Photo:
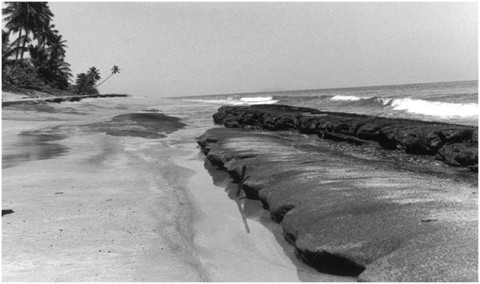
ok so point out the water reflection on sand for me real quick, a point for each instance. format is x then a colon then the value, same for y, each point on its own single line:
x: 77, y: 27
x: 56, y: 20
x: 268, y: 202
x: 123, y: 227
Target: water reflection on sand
x: 32, y: 146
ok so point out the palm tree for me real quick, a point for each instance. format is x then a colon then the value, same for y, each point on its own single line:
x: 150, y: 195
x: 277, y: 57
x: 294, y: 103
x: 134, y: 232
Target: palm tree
x: 93, y: 74
x: 52, y: 69
x: 38, y: 56
x: 30, y: 17
x: 115, y: 70
x: 81, y: 82
x: 8, y: 49
x: 84, y: 83
x: 46, y: 35
x: 56, y: 46
x: 61, y: 73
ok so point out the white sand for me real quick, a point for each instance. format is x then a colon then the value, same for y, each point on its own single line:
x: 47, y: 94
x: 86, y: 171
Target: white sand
x: 128, y: 209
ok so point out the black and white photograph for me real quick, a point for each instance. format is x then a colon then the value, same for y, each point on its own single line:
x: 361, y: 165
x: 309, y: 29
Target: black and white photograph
x: 239, y: 141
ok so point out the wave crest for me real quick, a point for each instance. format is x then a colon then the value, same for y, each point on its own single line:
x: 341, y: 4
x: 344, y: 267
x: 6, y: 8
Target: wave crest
x: 415, y: 106
x: 236, y: 100
x: 441, y: 109
x: 346, y: 98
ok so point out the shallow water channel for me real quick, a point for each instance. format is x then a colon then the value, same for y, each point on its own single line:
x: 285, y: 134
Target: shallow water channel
x: 235, y: 239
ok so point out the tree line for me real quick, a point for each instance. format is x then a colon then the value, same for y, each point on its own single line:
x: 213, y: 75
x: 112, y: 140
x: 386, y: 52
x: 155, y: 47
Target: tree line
x: 36, y: 56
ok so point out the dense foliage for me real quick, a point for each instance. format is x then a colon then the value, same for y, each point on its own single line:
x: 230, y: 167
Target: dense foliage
x: 30, y: 24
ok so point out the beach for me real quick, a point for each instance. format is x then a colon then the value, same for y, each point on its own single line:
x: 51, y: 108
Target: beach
x: 186, y: 189
x: 91, y: 206
x: 239, y: 142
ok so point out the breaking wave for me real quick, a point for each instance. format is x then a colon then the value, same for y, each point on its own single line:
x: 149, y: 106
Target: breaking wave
x: 347, y: 98
x: 416, y: 106
x: 441, y: 109
x: 237, y: 100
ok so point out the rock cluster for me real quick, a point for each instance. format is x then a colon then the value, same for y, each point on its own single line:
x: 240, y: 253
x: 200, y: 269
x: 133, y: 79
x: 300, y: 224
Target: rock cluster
x: 455, y: 145
x: 350, y: 216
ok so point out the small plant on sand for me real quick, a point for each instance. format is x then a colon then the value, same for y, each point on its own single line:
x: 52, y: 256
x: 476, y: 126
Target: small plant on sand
x: 242, y: 180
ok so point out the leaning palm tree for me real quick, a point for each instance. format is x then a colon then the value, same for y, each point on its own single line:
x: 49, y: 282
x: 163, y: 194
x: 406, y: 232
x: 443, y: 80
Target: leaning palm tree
x: 115, y: 70
x: 28, y: 17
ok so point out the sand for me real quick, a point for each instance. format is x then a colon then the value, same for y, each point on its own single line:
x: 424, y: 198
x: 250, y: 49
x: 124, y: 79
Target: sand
x: 95, y: 207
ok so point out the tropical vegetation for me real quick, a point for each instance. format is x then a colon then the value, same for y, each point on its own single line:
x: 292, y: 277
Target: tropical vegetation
x: 115, y: 70
x: 36, y: 56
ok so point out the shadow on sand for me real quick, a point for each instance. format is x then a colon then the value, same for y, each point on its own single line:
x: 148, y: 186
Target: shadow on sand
x: 253, y: 210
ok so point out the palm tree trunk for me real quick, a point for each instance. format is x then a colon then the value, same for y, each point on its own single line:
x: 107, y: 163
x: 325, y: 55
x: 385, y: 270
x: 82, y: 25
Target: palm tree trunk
x: 23, y: 45
x: 104, y: 80
x: 18, y: 47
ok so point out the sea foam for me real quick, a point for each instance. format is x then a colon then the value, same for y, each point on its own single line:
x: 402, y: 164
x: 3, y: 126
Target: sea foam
x: 416, y: 106
x: 432, y: 108
x: 236, y: 100
x: 346, y: 98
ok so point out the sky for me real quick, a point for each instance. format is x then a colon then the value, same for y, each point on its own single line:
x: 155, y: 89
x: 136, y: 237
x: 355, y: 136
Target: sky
x: 187, y: 49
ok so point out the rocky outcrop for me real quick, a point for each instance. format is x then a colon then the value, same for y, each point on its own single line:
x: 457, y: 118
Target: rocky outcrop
x: 348, y: 215
x: 455, y: 145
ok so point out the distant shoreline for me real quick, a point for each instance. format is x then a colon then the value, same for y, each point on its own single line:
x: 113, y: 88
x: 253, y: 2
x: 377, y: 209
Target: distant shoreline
x: 54, y: 99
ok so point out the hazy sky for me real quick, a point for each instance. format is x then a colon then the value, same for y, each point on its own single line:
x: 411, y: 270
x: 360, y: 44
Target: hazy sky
x: 185, y: 49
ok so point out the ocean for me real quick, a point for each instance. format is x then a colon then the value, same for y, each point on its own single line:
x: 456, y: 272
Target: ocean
x: 452, y: 102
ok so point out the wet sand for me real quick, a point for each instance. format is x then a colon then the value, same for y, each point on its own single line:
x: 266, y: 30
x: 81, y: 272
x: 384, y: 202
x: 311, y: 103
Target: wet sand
x: 235, y: 239
x: 94, y: 207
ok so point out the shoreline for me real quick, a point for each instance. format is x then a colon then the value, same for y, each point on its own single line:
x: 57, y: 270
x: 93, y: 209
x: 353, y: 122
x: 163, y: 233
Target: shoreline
x: 118, y: 207
x: 234, y: 249
x: 11, y: 100
x: 120, y: 170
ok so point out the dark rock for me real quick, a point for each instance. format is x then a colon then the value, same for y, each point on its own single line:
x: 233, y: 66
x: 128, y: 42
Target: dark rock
x: 341, y: 137
x: 308, y: 124
x: 459, y: 154
x: 411, y: 139
x: 457, y: 134
x: 410, y: 136
x: 475, y: 136
x: 330, y: 263
x: 369, y: 131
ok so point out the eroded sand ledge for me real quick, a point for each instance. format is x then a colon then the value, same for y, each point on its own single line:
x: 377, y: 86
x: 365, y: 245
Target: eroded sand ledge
x: 354, y: 216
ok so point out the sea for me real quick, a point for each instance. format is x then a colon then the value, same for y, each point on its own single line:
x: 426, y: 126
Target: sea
x: 451, y: 102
